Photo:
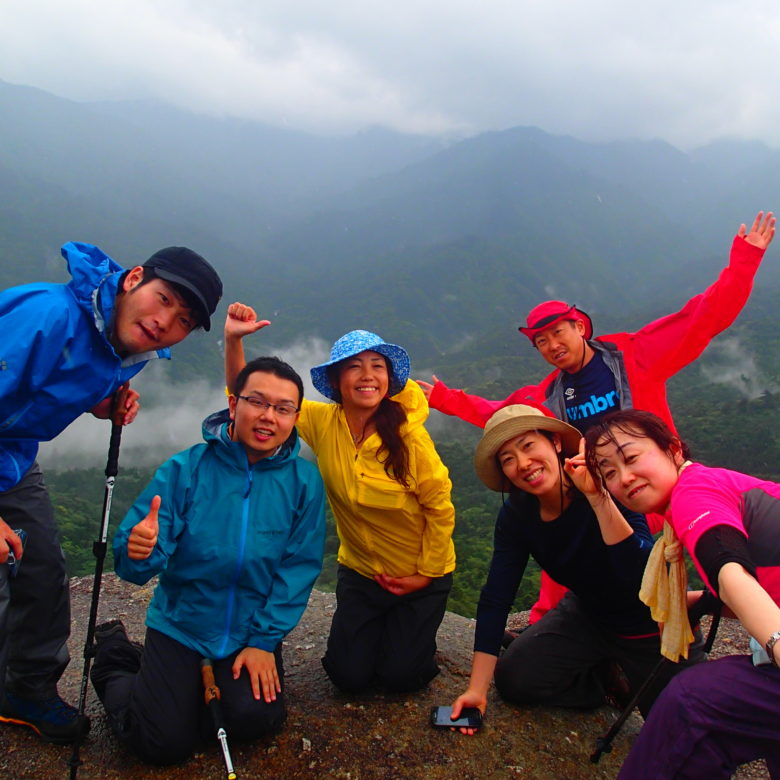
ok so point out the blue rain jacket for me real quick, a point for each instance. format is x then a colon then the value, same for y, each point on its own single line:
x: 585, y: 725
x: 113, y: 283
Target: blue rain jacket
x: 55, y: 359
x: 238, y: 548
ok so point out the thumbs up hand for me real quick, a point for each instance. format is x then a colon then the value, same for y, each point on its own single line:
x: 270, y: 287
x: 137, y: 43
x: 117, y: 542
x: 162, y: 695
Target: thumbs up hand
x: 143, y: 537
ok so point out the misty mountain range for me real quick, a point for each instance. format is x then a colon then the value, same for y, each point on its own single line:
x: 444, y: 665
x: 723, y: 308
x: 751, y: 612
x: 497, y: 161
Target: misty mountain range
x: 440, y: 244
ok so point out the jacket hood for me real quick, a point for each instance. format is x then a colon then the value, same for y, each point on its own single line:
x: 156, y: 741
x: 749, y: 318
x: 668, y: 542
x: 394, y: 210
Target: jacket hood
x: 414, y: 403
x: 215, y: 434
x: 89, y: 266
x: 95, y: 284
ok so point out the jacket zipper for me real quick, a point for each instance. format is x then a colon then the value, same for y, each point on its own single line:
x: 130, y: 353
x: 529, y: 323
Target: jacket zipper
x: 239, y: 561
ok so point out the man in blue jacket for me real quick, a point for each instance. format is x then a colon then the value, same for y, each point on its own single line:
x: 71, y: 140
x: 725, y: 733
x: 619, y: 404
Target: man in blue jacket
x: 66, y: 349
x: 235, y: 527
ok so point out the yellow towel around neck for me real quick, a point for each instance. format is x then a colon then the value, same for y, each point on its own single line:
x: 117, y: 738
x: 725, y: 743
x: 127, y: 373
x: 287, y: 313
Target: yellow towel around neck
x: 664, y: 589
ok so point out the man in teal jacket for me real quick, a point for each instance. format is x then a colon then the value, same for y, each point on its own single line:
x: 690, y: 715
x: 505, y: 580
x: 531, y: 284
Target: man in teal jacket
x: 235, y: 528
x: 65, y: 350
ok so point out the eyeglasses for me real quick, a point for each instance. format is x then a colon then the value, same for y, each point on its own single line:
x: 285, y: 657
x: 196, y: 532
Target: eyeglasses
x: 283, y: 410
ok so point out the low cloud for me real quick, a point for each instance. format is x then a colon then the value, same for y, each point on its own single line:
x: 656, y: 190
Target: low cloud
x: 170, y: 418
x: 727, y: 362
x: 687, y: 71
x: 163, y: 427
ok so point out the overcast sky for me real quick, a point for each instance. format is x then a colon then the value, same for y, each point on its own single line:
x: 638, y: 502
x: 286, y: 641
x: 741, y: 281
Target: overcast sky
x: 686, y: 71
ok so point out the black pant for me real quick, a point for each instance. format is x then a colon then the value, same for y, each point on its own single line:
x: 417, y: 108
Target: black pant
x: 34, y: 605
x: 560, y: 660
x: 378, y: 638
x: 155, y: 702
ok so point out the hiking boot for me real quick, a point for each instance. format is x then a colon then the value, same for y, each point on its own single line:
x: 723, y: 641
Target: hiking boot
x: 115, y: 631
x: 114, y: 653
x: 510, y: 635
x: 617, y: 691
x: 52, y: 719
x: 110, y: 629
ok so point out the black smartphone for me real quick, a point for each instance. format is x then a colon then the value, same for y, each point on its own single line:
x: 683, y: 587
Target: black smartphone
x: 13, y: 562
x: 470, y: 718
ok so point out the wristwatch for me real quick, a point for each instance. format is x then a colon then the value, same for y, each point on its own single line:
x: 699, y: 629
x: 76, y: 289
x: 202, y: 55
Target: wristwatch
x: 770, y: 646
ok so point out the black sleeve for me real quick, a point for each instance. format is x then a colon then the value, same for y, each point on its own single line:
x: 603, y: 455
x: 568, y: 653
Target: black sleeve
x: 629, y: 557
x: 720, y: 545
x: 507, y: 566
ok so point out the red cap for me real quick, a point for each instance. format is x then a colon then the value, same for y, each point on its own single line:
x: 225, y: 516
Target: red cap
x: 550, y: 313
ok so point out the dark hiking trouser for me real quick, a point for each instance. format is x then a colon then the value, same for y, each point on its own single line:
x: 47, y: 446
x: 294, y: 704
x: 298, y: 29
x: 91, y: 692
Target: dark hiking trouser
x: 34, y: 605
x: 709, y: 720
x: 154, y: 698
x: 378, y: 638
x: 561, y: 660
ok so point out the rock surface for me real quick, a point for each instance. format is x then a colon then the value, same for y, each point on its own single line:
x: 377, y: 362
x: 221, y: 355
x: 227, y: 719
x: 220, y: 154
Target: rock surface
x: 330, y: 735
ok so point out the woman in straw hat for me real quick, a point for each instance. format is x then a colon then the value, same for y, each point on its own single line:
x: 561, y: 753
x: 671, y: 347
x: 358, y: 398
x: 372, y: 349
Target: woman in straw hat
x: 555, y: 512
x: 724, y: 713
x: 390, y: 494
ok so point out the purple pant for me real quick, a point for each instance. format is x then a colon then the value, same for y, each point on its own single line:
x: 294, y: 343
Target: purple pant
x: 710, y: 719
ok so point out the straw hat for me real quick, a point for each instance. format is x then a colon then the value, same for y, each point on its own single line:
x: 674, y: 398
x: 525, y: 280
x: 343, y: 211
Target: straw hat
x: 509, y: 422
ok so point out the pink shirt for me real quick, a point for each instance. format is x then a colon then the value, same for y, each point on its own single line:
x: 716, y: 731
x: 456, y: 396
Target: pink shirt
x: 705, y: 497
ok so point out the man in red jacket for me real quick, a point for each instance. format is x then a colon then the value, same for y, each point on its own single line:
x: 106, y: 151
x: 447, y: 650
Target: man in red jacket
x: 594, y: 376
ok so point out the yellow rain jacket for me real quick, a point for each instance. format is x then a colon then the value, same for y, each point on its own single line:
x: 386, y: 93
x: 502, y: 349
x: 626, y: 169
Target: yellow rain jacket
x: 383, y: 527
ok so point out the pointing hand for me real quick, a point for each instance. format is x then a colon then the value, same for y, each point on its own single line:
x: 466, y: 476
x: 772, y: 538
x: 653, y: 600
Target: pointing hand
x: 427, y: 387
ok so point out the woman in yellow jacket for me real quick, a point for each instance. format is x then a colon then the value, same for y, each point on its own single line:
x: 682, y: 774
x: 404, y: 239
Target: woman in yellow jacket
x: 390, y: 494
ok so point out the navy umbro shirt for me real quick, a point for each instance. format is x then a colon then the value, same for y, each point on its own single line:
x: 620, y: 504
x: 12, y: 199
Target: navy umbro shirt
x: 589, y: 394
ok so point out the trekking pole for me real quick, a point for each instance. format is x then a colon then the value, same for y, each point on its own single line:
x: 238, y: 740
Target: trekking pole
x: 99, y: 551
x: 705, y: 604
x: 212, y: 697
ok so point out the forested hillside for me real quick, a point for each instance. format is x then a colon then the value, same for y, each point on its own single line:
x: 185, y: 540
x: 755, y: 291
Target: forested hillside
x: 436, y: 243
x: 439, y: 244
x: 722, y: 427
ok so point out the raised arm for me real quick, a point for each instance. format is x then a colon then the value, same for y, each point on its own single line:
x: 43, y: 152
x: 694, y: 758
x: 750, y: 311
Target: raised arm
x: 614, y: 527
x: 761, y: 232
x: 473, y: 408
x: 666, y: 345
x: 241, y: 321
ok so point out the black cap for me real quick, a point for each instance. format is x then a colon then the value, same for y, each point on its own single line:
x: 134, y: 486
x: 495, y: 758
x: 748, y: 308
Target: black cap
x: 184, y: 267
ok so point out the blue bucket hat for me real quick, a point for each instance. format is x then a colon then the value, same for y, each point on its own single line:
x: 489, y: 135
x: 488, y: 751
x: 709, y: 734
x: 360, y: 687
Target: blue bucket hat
x: 355, y: 342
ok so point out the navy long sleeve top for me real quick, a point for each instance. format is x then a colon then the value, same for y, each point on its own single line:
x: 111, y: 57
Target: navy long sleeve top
x: 606, y: 578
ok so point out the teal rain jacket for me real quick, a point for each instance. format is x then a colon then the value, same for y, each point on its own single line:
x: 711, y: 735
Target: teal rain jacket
x: 55, y: 359
x: 238, y: 548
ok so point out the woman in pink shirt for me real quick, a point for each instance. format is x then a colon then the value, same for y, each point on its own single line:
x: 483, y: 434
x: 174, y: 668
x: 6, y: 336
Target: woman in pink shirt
x: 717, y: 715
